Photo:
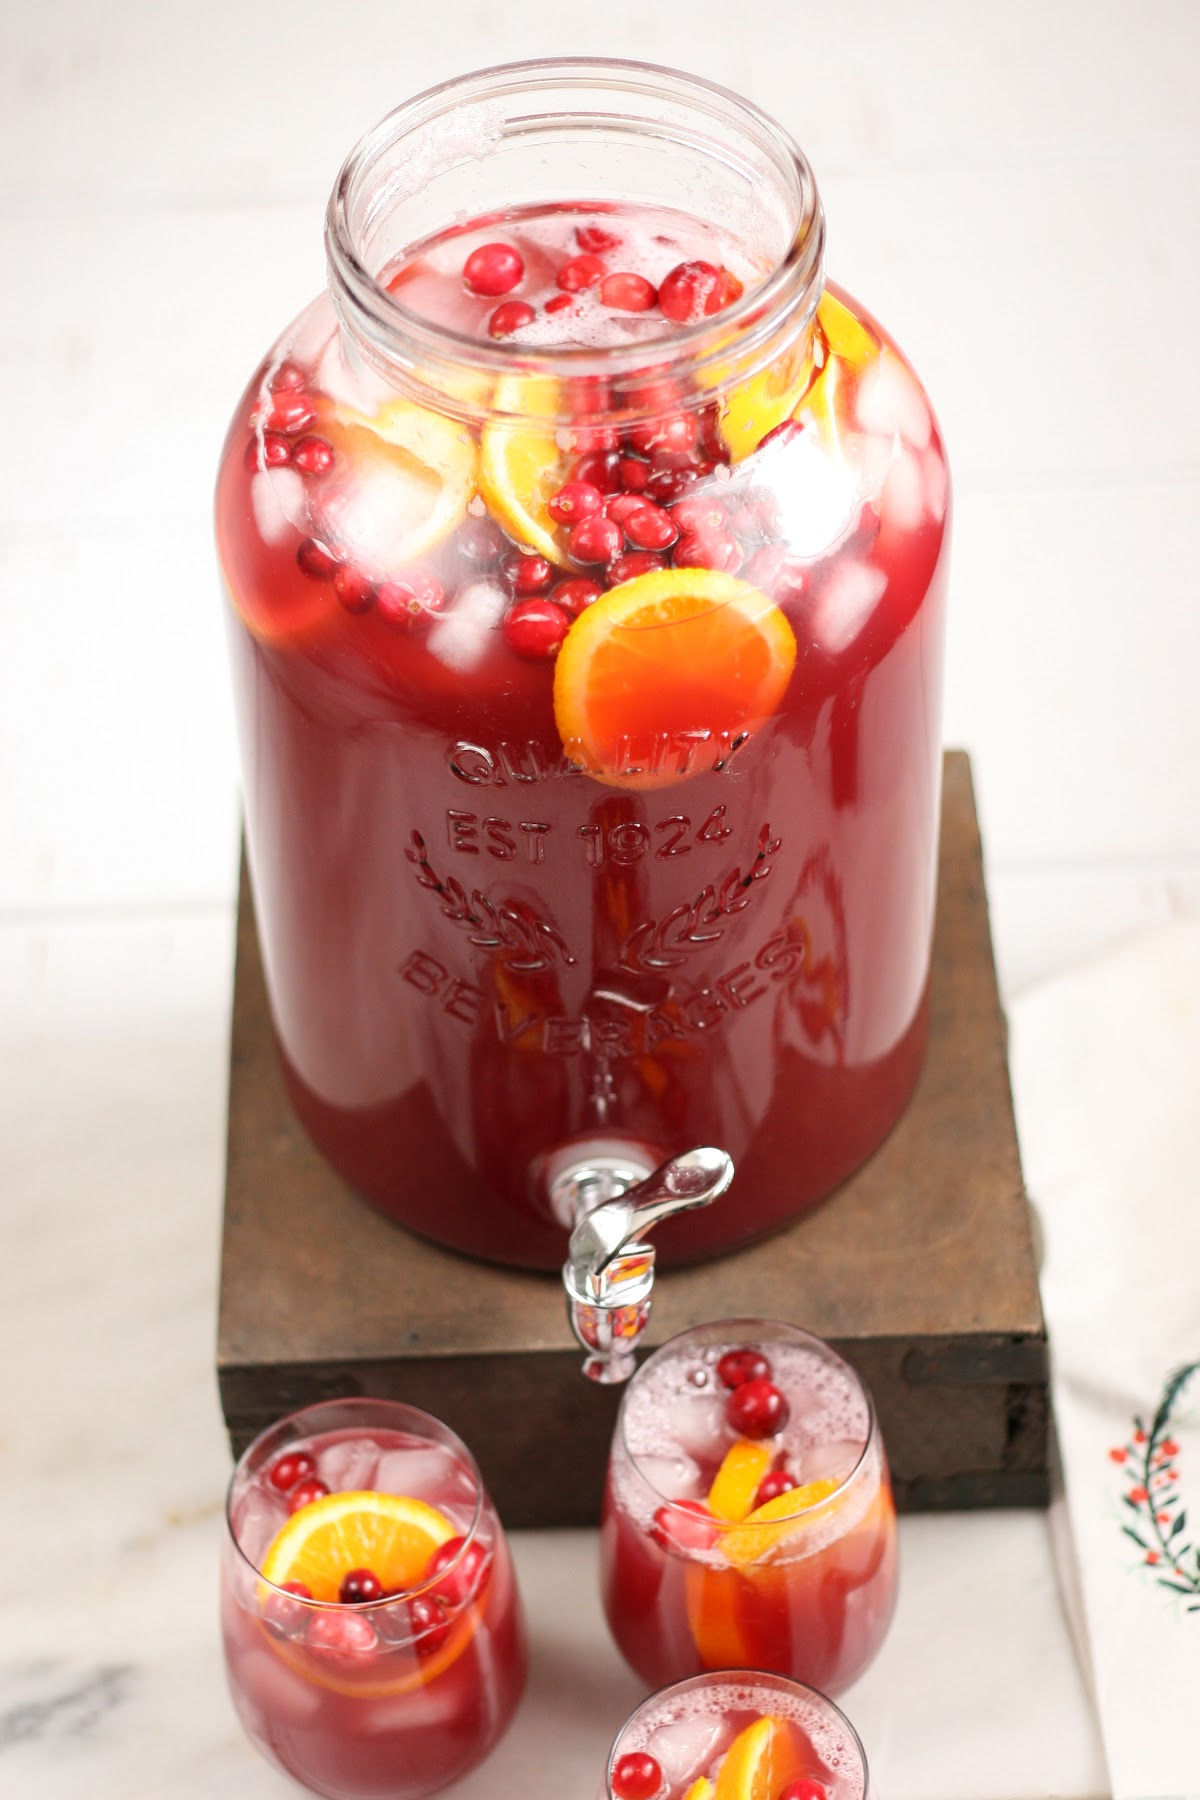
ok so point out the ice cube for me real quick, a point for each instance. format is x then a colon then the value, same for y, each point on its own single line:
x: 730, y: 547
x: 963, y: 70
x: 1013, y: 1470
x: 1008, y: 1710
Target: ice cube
x: 260, y: 1515
x: 693, y: 1423
x: 902, y: 502
x: 460, y: 637
x: 818, y: 493
x: 889, y: 400
x: 845, y: 603
x: 279, y: 1693
x: 936, y: 484
x: 422, y: 1471
x: 831, y: 1460
x: 349, y: 1466
x: 277, y: 501
x: 674, y: 1476
x: 684, y: 1748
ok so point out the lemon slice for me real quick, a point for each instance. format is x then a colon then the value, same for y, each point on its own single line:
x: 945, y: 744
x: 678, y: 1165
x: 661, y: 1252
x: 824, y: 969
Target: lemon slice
x: 736, y: 1481
x: 521, y: 465
x: 761, y: 1760
x: 390, y: 1534
x: 768, y: 1525
x: 657, y: 678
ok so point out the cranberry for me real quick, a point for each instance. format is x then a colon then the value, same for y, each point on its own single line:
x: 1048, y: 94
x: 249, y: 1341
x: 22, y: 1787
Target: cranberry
x: 627, y: 292
x: 558, y: 303
x: 313, y: 455
x: 621, y: 506
x: 291, y: 412
x: 283, y: 1614
x: 774, y: 1483
x: 599, y: 469
x: 429, y: 1624
x: 409, y: 599
x: 737, y: 1366
x: 580, y: 272
x: 804, y: 1789
x: 685, y: 1525
x: 355, y: 590
x: 633, y: 563
x: 700, y: 512
x: 464, y: 1565
x: 305, y: 1492
x: 273, y: 453
x: 636, y: 1776
x: 666, y: 485
x: 576, y: 593
x: 708, y: 550
x: 316, y: 559
x: 696, y: 290
x: 290, y: 1468
x: 633, y: 474
x: 358, y: 1586
x: 535, y: 628
x: 529, y: 574
x: 578, y: 440
x: 287, y: 375
x: 676, y: 433
x: 650, y: 528
x: 780, y: 434
x: 573, y: 501
x: 596, y: 239
x: 480, y: 540
x: 757, y: 1409
x: 508, y: 317
x: 494, y: 269
x: 341, y: 1635
x: 594, y: 540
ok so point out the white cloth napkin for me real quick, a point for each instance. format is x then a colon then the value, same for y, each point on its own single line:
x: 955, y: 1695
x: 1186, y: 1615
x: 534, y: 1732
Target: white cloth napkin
x: 1106, y: 1076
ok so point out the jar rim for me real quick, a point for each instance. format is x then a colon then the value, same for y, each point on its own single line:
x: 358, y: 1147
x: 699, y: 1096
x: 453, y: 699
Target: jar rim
x: 726, y: 346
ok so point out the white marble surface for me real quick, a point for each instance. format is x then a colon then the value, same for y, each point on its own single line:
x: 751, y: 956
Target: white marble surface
x: 1013, y: 190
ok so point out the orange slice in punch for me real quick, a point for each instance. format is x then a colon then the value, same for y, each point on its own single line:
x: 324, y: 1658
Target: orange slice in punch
x: 400, y: 483
x: 714, y: 1600
x: 701, y: 1789
x: 662, y: 677
x: 736, y: 1482
x: 390, y: 1534
x: 761, y: 1760
x: 768, y: 1525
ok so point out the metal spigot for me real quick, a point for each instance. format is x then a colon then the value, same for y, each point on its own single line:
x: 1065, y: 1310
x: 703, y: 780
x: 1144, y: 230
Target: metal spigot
x: 609, y: 1271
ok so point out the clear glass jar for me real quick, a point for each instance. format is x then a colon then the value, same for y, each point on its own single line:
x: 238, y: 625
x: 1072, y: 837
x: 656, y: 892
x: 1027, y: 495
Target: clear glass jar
x: 613, y: 827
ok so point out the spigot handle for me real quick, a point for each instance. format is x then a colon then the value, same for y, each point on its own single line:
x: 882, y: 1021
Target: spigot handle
x: 609, y: 1272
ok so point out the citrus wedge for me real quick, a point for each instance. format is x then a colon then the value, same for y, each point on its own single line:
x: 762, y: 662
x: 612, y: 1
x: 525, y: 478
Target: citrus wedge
x: 735, y: 1483
x: 390, y: 1534
x: 521, y: 465
x: 768, y: 1525
x: 657, y: 679
x: 714, y: 1601
x: 761, y: 1760
x: 701, y: 1789
x: 401, y: 483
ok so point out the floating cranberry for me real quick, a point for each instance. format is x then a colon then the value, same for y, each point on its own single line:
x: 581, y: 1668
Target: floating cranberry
x: 274, y: 452
x: 409, y: 599
x: 481, y: 541
x: 576, y: 593
x: 558, y: 303
x: 696, y: 290
x: 313, y: 455
x: 287, y: 375
x: 494, y: 269
x: 291, y: 412
x: 595, y: 540
x: 581, y: 272
x: 599, y: 468
x: 737, y: 1366
x: 359, y: 1586
x: 355, y: 590
x: 429, y: 1624
x: 508, y: 317
x: 464, y: 1565
x: 621, y: 506
x: 341, y: 1635
x: 316, y: 559
x: 283, y: 1614
x: 757, y: 1409
x: 666, y: 485
x: 676, y: 433
x: 633, y: 474
x: 535, y: 628
x: 627, y: 292
x: 573, y: 501
x: 305, y: 1492
x: 636, y: 1776
x: 291, y: 1467
x: 685, y: 1525
x: 650, y: 528
x: 631, y: 565
x: 596, y: 239
x: 708, y: 550
x: 528, y: 574
x: 578, y: 440
x: 804, y: 1789
x: 774, y: 1483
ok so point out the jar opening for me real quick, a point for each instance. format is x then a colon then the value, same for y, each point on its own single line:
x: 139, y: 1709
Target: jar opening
x: 574, y: 133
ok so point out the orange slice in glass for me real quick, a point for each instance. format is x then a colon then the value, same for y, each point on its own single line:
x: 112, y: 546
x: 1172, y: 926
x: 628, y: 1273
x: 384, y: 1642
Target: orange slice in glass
x: 761, y: 1760
x: 660, y: 678
x: 735, y: 1483
x: 768, y: 1525
x: 390, y: 1534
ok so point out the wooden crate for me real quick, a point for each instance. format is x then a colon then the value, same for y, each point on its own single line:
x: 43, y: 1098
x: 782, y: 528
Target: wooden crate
x: 920, y: 1269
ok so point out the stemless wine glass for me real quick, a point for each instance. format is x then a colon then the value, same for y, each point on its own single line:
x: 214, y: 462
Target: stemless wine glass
x: 735, y: 1735
x: 374, y: 1640
x: 748, y: 1516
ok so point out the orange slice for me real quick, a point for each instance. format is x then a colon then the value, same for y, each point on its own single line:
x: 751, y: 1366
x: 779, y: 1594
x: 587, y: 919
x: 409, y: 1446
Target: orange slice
x: 521, y: 466
x: 736, y: 1481
x: 390, y: 1534
x: 768, y: 1525
x: 407, y: 476
x: 713, y: 1598
x: 657, y: 679
x: 762, y: 1759
x: 701, y: 1789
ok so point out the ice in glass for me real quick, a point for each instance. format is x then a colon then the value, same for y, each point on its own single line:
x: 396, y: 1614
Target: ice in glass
x: 373, y: 1634
x: 748, y: 1515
